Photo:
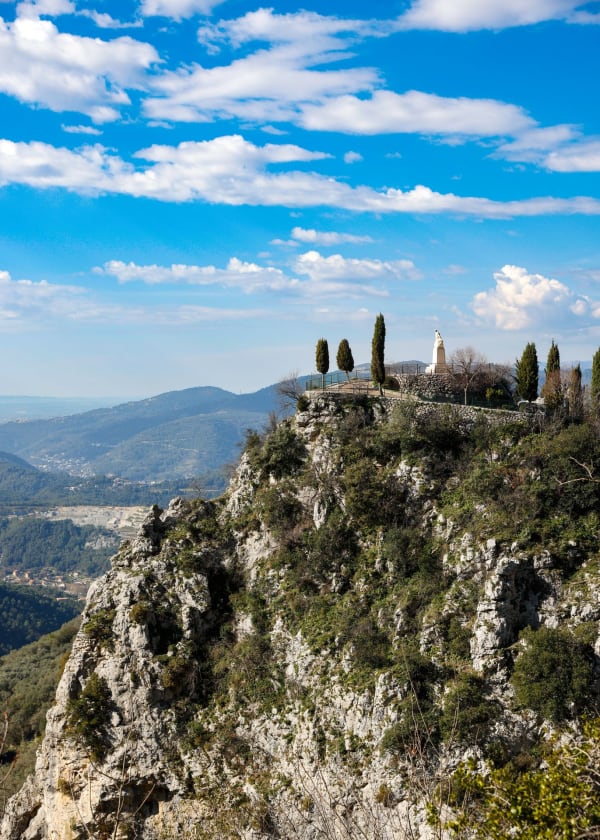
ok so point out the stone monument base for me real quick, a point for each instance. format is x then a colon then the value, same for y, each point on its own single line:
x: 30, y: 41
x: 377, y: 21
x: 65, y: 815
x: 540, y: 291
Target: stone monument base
x: 438, y: 367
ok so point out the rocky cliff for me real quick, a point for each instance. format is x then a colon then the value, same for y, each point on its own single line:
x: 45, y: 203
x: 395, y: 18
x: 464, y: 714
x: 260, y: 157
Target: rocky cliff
x: 316, y: 653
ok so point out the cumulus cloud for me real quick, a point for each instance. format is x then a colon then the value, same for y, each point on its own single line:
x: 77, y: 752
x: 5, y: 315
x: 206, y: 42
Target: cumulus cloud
x: 25, y: 304
x: 520, y: 299
x: 40, y: 65
x: 313, y: 276
x: 466, y: 15
x: 415, y: 112
x: 271, y: 83
x: 249, y: 277
x: 177, y: 9
x: 232, y: 171
x: 22, y: 300
x: 319, y: 237
x: 81, y: 129
x: 337, y: 267
x: 52, y: 8
x: 579, y: 157
x: 352, y: 157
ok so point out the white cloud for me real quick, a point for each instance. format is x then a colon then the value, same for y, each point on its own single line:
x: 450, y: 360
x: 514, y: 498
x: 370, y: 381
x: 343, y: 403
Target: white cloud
x: 520, y: 300
x: 246, y: 276
x: 318, y: 277
x: 337, y: 267
x: 352, y: 157
x: 177, y: 9
x: 579, y: 157
x: 466, y: 15
x: 415, y: 112
x: 270, y: 84
x: 42, y: 66
x: 319, y: 237
x: 81, y: 129
x: 455, y: 270
x: 35, y: 8
x: 105, y: 21
x: 534, y: 144
x: 25, y: 304
x: 232, y: 171
x: 24, y: 300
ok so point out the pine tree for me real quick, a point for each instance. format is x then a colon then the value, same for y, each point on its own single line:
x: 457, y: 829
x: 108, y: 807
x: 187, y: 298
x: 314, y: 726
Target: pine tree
x: 377, y: 352
x: 527, y: 373
x: 552, y: 390
x: 344, y: 358
x: 322, y: 358
x: 595, y: 383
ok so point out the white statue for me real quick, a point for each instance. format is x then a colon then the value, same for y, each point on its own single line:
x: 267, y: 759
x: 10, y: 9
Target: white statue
x: 438, y: 364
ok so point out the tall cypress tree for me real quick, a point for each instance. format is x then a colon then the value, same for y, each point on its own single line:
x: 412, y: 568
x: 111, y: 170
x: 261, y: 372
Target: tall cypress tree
x: 527, y: 373
x: 322, y: 358
x: 575, y: 394
x: 377, y: 352
x: 552, y: 390
x: 595, y: 383
x: 344, y: 358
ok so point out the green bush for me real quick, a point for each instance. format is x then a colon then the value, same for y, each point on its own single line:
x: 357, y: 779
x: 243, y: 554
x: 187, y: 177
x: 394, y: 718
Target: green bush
x: 560, y: 801
x: 281, y: 454
x: 88, y: 716
x: 98, y: 628
x: 466, y: 712
x: 553, y: 675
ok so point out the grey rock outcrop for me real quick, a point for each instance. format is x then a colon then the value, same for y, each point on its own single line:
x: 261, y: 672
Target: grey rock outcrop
x: 305, y: 740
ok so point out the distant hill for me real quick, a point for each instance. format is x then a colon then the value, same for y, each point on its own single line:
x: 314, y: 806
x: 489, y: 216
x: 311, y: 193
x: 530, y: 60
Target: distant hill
x: 36, y: 408
x: 28, y: 679
x: 27, y: 613
x: 171, y: 436
x: 24, y: 487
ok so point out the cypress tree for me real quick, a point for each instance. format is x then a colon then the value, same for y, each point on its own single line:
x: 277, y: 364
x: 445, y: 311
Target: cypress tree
x: 377, y: 352
x: 322, y: 358
x: 575, y: 394
x: 552, y: 390
x: 344, y: 358
x: 595, y: 383
x: 527, y: 373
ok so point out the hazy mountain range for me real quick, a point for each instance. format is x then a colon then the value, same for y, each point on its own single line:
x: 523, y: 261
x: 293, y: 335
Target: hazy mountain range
x: 176, y: 435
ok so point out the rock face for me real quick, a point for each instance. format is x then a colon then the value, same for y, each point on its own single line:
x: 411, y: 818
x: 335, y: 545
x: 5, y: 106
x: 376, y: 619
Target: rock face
x: 283, y: 662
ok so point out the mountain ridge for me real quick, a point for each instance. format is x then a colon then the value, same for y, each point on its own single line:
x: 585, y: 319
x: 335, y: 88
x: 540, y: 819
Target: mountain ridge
x: 386, y: 590
x: 207, y: 422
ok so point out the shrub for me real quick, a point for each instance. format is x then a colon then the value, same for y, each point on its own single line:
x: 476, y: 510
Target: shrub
x: 99, y: 628
x: 553, y: 674
x: 281, y: 454
x: 302, y: 403
x: 557, y: 802
x: 466, y: 713
x: 88, y: 716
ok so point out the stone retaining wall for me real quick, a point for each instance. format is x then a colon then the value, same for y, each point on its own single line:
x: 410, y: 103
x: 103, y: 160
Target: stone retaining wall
x: 427, y: 385
x: 468, y: 413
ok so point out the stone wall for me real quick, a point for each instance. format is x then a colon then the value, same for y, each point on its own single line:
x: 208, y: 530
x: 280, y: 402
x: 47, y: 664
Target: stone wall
x: 428, y: 386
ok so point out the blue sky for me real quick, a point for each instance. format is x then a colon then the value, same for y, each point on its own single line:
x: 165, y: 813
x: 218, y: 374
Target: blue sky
x: 193, y: 192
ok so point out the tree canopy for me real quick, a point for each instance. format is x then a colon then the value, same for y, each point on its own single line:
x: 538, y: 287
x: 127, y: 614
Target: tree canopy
x: 344, y: 358
x: 552, y: 390
x: 527, y: 373
x: 378, y: 351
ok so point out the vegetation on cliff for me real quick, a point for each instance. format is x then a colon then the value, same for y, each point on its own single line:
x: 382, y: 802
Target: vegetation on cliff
x: 383, y: 591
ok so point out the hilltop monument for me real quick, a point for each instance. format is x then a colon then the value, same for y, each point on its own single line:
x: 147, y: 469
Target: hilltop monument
x: 438, y: 364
